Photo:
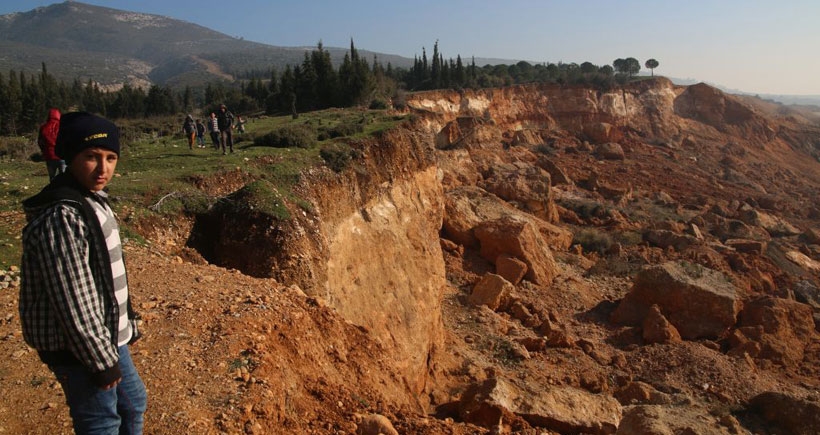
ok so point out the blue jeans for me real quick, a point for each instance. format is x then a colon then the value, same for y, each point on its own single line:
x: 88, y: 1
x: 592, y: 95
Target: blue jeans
x: 118, y: 410
x: 226, y: 139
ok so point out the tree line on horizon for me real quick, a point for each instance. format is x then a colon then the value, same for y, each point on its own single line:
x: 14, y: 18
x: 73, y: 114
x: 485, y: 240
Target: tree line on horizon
x: 314, y: 84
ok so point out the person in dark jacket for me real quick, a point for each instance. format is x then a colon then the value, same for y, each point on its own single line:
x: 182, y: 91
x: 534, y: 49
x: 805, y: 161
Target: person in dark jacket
x: 74, y: 300
x: 189, y: 128
x: 200, y: 134
x: 46, y: 140
x: 225, y: 123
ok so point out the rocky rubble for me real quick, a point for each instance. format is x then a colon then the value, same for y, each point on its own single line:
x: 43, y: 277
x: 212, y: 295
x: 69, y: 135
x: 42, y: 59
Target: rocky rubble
x: 708, y: 268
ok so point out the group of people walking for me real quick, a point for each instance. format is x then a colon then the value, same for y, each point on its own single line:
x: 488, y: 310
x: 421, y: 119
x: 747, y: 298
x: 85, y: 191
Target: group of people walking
x: 219, y: 126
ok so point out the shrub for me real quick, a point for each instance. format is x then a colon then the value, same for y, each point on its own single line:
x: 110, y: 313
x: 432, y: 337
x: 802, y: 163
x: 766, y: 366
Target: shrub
x: 593, y: 240
x: 338, y: 158
x: 378, y: 105
x: 19, y: 148
x: 586, y: 209
x: 400, y: 100
x: 299, y: 136
x: 340, y: 130
x: 629, y: 238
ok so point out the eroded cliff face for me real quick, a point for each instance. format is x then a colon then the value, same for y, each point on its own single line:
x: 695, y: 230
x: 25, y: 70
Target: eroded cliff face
x: 381, y: 263
x: 386, y: 271
x: 646, y: 105
x: 655, y: 107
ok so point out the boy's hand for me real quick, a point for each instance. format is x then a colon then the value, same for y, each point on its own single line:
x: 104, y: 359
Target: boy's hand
x: 112, y: 385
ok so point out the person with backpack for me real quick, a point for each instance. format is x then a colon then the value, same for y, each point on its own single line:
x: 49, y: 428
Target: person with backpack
x: 46, y: 139
x: 225, y: 124
x: 189, y: 128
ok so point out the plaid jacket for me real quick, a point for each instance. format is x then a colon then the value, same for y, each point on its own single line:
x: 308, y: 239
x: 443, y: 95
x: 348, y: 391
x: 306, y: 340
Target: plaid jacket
x: 68, y: 308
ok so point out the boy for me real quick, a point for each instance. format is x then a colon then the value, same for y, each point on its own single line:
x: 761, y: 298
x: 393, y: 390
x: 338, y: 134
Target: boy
x: 74, y: 304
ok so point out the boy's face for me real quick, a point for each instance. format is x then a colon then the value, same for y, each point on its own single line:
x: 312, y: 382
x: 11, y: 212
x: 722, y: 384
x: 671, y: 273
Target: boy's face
x: 94, y: 167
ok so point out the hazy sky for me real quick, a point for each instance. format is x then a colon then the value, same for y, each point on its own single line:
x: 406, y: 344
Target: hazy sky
x: 756, y: 46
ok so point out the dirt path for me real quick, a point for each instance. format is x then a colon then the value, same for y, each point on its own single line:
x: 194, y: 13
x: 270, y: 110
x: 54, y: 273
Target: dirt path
x: 213, y: 68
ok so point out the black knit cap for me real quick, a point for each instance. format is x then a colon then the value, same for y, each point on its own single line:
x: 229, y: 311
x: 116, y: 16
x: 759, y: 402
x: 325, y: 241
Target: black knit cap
x: 81, y: 130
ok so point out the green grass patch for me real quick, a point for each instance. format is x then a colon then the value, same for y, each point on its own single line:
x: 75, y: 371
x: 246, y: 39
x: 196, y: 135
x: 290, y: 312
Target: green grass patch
x: 259, y: 196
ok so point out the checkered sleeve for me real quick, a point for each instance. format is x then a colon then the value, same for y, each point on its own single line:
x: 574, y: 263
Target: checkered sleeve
x: 70, y: 285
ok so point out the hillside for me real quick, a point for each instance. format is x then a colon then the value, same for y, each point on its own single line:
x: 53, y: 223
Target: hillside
x: 537, y: 259
x: 113, y: 47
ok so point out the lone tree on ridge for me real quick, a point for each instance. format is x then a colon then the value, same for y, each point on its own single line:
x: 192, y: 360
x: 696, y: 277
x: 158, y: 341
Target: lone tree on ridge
x: 652, y: 64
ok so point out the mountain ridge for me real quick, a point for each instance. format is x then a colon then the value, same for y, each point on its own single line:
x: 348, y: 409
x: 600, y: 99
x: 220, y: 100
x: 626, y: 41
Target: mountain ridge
x: 99, y: 43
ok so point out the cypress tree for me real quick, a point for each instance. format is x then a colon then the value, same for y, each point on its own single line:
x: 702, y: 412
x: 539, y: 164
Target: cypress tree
x: 15, y: 103
x: 327, y: 86
x: 460, y: 74
x: 435, y: 70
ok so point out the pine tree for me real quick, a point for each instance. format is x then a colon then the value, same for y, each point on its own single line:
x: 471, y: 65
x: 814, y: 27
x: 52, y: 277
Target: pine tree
x: 355, y: 78
x: 460, y: 75
x: 273, y: 84
x: 286, y: 100
x: 15, y: 103
x: 435, y: 70
x: 327, y: 86
x: 187, y: 99
x: 306, y: 84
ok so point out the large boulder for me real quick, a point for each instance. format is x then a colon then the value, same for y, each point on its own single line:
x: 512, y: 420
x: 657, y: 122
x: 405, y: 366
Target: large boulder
x: 519, y: 239
x: 698, y: 302
x: 528, y: 187
x: 492, y: 290
x: 774, y: 329
x: 811, y: 235
x: 657, y: 329
x: 640, y: 393
x: 747, y: 246
x: 557, y: 175
x: 786, y: 413
x: 808, y: 293
x: 774, y: 225
x: 562, y: 409
x: 601, y: 132
x: 803, y: 260
x: 670, y: 420
x: 665, y: 238
x: 466, y: 207
x: 510, y: 268
x: 449, y: 135
x: 726, y: 229
x: 610, y: 151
